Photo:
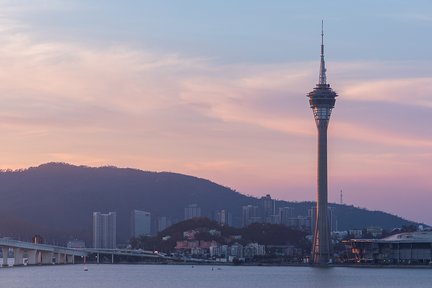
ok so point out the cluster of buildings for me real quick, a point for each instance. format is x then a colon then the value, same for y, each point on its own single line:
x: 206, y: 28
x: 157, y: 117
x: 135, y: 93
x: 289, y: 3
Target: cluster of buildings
x: 363, y: 246
x: 143, y: 223
x: 267, y: 212
x: 230, y: 253
x: 193, y: 247
x: 222, y: 216
x: 232, y: 249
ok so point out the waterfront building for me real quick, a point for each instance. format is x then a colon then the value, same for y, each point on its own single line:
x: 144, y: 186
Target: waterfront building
x: 253, y: 249
x: 192, y: 211
x: 140, y: 223
x: 355, y: 233
x: 104, y: 230
x: 236, y: 251
x: 322, y: 101
x: 219, y: 251
x: 403, y: 248
x: 195, y: 247
x: 289, y: 251
x: 375, y: 232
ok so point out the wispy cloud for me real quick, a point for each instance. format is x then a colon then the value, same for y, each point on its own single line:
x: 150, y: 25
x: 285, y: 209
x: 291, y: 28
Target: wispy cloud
x: 247, y: 126
x: 405, y: 91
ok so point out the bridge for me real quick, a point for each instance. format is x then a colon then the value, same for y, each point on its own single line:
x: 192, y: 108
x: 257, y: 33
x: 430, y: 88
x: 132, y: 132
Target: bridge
x: 26, y: 253
x: 114, y: 255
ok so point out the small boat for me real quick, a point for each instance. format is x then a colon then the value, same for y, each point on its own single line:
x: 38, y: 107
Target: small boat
x: 85, y: 269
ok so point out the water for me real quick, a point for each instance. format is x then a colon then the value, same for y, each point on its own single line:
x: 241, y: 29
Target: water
x: 180, y: 276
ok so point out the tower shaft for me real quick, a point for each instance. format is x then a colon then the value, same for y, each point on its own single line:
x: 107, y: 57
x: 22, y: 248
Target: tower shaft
x: 321, y: 250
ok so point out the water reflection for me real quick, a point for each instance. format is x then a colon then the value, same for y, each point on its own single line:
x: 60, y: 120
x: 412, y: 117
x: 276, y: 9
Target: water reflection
x: 179, y: 276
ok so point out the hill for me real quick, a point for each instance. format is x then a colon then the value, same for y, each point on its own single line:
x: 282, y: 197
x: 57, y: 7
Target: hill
x: 58, y: 200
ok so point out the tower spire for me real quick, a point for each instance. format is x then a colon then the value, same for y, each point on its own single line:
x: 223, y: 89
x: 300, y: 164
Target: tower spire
x: 322, y: 75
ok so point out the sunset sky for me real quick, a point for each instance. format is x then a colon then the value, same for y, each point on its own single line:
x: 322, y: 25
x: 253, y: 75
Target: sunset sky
x: 217, y: 89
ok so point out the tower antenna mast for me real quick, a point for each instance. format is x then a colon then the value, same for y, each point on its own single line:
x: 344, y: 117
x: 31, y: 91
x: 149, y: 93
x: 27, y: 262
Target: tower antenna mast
x: 323, y: 70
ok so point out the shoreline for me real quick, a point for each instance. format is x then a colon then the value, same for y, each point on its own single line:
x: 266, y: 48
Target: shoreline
x: 375, y: 266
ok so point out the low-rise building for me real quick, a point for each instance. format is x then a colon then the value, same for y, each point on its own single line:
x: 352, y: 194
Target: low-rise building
x: 376, y: 232
x: 190, y: 235
x: 403, y: 248
x: 236, y: 251
x: 253, y: 249
x: 218, y: 251
x: 355, y: 233
x: 195, y: 247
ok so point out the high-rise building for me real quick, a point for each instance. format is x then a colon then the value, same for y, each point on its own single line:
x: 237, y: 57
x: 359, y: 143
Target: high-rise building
x: 250, y: 214
x: 163, y: 223
x: 268, y: 208
x: 312, y: 215
x: 322, y: 100
x: 104, y: 230
x: 192, y: 211
x: 223, y: 217
x: 330, y: 218
x: 285, y: 213
x: 140, y: 223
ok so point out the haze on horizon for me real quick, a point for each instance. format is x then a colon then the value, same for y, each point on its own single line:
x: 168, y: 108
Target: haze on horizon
x: 219, y: 91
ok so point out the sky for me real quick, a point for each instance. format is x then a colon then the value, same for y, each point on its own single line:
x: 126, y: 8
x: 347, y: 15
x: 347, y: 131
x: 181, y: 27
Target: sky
x: 217, y: 89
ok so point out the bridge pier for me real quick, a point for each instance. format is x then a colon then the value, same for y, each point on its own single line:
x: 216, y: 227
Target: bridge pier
x: 18, y: 257
x: 70, y: 259
x: 5, y: 251
x: 59, y: 258
x: 32, y: 257
x: 63, y: 258
x: 47, y: 257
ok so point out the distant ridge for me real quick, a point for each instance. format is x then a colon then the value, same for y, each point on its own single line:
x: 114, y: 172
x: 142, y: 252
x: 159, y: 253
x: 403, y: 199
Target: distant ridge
x: 57, y: 200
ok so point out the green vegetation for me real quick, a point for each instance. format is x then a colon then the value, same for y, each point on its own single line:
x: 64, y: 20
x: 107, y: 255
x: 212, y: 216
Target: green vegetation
x: 262, y: 233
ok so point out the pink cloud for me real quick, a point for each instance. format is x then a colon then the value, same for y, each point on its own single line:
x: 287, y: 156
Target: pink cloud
x: 245, y: 126
x: 405, y: 91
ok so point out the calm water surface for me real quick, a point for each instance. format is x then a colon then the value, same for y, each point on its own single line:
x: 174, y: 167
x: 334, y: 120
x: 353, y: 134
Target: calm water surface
x: 167, y: 276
